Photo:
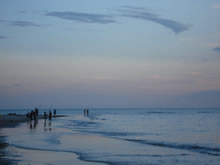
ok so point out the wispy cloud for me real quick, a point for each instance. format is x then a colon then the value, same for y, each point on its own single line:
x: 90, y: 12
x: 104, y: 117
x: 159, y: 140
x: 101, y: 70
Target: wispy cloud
x: 20, y: 23
x: 2, y: 37
x: 83, y: 17
x: 24, y: 24
x: 217, y: 49
x: 141, y: 13
x: 3, y: 21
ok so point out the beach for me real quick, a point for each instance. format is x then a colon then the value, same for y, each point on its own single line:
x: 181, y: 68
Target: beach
x: 7, y: 121
x: 32, y: 156
x: 114, y: 137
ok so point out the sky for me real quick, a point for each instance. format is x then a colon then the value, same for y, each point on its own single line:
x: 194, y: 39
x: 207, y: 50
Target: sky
x: 101, y: 53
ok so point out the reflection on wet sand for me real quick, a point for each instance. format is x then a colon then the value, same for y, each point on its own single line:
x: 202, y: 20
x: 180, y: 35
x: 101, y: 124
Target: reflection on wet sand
x: 33, y: 124
x: 47, y: 127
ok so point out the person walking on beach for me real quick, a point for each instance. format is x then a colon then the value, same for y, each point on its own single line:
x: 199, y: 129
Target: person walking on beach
x: 31, y: 115
x: 28, y: 115
x: 45, y: 115
x: 86, y: 112
x: 34, y: 115
x: 36, y: 111
x: 54, y: 112
x: 50, y: 115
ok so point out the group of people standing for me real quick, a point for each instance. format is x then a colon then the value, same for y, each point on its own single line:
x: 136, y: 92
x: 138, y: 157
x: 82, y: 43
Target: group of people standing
x: 50, y: 114
x: 33, y: 114
x: 86, y: 112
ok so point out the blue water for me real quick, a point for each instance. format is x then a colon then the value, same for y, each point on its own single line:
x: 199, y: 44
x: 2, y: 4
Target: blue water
x: 125, y: 136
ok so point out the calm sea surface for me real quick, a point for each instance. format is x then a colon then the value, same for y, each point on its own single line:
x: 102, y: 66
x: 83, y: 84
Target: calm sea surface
x: 120, y: 136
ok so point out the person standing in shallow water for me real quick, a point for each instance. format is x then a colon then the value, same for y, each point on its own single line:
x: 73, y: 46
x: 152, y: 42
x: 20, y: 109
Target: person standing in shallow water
x: 54, y: 112
x: 86, y: 112
x: 36, y: 111
x: 45, y: 115
x: 50, y: 115
x: 31, y: 115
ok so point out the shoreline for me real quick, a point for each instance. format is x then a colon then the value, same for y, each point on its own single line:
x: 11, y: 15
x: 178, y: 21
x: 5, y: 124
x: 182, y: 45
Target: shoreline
x: 13, y: 120
x: 10, y: 121
x: 7, y: 121
x: 3, y: 153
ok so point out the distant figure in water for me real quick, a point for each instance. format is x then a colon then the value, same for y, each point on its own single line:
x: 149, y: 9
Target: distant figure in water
x: 28, y: 115
x: 31, y: 115
x: 45, y: 115
x: 86, y: 112
x: 34, y: 115
x: 36, y: 111
x: 50, y: 115
x: 54, y: 112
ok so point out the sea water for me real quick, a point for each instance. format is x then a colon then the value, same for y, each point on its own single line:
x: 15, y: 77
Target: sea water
x: 119, y: 137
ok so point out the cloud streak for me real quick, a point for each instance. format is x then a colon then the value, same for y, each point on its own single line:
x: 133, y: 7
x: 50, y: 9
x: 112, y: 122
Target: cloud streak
x: 126, y: 11
x: 24, y: 24
x: 83, y: 17
x: 2, y: 37
x: 140, y: 13
x: 20, y: 23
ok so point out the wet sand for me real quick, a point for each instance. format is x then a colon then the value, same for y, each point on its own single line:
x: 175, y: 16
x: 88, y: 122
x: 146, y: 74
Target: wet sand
x: 33, y: 157
x: 13, y: 120
x: 7, y: 121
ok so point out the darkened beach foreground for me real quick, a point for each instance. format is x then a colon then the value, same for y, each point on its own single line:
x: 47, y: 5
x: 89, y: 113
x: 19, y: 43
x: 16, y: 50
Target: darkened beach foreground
x: 8, y: 121
x: 5, y: 122
x: 15, y: 126
x: 11, y: 121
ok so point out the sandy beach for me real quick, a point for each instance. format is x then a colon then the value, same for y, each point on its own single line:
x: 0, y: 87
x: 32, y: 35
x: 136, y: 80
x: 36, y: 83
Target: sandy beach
x: 112, y: 136
x: 31, y: 156
x: 12, y: 120
x: 5, y: 122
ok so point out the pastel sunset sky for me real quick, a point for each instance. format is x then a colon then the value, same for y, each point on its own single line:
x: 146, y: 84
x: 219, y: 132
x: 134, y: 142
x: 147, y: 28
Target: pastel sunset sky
x: 109, y: 53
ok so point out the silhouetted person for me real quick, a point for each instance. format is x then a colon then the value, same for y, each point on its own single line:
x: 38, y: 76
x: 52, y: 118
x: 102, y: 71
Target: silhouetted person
x: 31, y: 115
x: 45, y: 115
x: 36, y: 111
x: 54, y: 112
x: 34, y: 115
x: 50, y: 115
x: 87, y: 112
x: 28, y: 115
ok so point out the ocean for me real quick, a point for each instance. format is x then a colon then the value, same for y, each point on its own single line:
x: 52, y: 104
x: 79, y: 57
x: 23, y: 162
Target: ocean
x: 128, y: 136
